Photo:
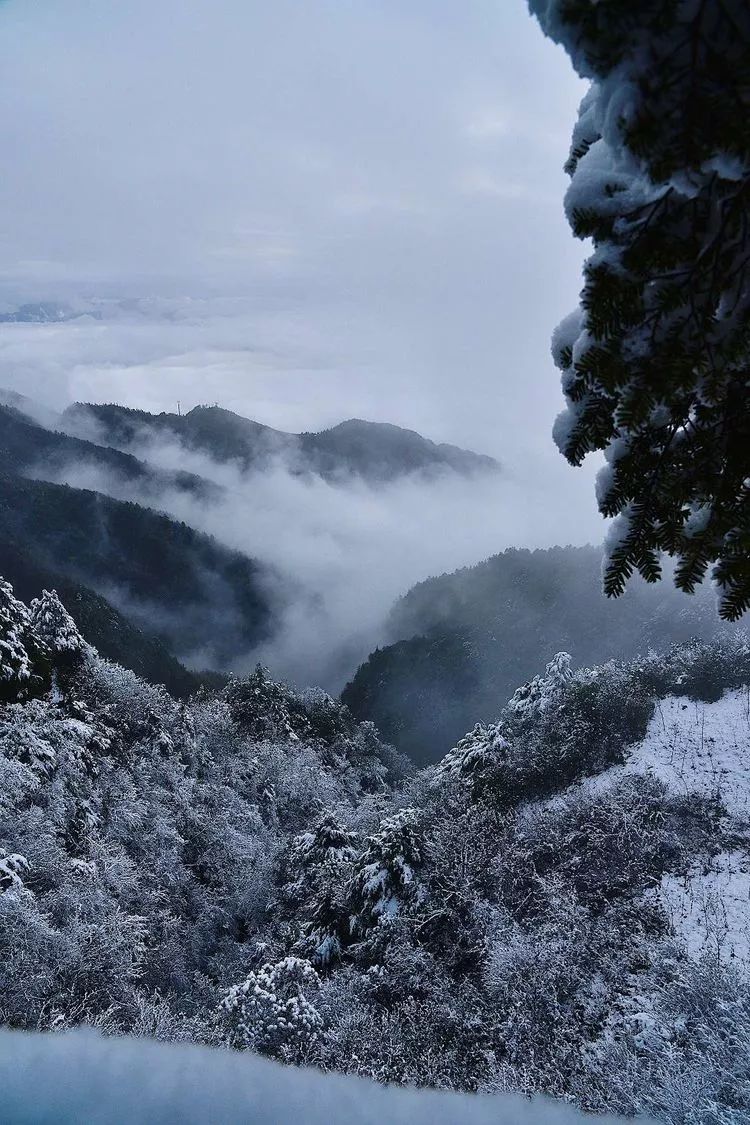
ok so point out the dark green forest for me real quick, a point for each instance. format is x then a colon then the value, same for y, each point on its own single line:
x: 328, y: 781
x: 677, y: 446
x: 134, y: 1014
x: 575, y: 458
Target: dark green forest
x: 195, y: 595
x: 116, y: 637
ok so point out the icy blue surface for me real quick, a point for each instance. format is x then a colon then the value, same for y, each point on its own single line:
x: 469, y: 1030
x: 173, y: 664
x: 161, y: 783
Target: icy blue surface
x: 80, y: 1078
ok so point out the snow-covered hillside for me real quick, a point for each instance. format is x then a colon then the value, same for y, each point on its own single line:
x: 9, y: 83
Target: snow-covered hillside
x: 697, y: 748
x: 559, y: 907
x: 704, y: 748
x: 700, y: 747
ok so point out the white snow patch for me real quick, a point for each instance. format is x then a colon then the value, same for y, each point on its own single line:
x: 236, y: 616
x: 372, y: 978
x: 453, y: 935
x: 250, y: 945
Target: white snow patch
x: 703, y: 748
x: 709, y: 908
x: 700, y: 748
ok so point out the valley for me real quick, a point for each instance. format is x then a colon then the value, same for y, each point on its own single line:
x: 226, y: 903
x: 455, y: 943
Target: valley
x: 252, y: 867
x: 374, y: 654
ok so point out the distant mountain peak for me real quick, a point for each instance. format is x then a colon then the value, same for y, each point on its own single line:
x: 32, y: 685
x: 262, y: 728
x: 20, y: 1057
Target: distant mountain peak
x: 45, y: 312
x: 365, y: 424
x: 374, y: 451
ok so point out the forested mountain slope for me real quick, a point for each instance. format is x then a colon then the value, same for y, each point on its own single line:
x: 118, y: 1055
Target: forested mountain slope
x: 463, y: 641
x: 204, y: 601
x: 30, y: 449
x: 210, y: 606
x: 375, y: 451
x: 115, y: 636
x: 560, y: 906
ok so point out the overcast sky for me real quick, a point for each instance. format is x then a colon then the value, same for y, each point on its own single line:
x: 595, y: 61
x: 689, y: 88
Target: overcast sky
x: 361, y: 198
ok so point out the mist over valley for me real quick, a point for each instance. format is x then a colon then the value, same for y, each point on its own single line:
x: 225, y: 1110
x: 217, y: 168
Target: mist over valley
x: 316, y: 513
x: 374, y: 663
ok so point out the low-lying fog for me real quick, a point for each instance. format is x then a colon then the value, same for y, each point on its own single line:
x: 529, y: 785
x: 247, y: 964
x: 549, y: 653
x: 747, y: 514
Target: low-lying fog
x: 365, y: 214
x: 350, y: 548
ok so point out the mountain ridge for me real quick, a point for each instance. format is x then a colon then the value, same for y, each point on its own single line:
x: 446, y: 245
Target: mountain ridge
x: 30, y: 448
x: 375, y: 451
x: 197, y: 595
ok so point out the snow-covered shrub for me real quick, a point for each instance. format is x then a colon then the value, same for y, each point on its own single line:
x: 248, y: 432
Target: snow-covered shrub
x: 698, y: 670
x: 270, y: 1012
x: 678, y: 1050
x: 440, y: 1035
x: 13, y: 868
x: 153, y: 1017
x: 543, y: 692
x: 557, y: 728
x: 28, y: 735
x: 613, y: 842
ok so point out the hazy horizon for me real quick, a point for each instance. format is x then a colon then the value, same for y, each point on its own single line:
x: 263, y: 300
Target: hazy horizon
x: 305, y: 213
x: 327, y: 212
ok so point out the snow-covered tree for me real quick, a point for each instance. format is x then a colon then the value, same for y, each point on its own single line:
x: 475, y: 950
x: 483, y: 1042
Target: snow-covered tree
x: 486, y: 750
x: 477, y: 753
x: 543, y: 692
x: 263, y: 707
x: 317, y: 870
x: 23, y: 656
x: 386, y: 876
x: 655, y: 363
x: 51, y: 622
x: 271, y: 1011
x: 329, y: 841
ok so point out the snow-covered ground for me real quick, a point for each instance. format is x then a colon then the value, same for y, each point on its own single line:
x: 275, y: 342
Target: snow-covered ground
x: 704, y: 748
x: 81, y: 1078
x: 710, y: 907
x: 700, y: 748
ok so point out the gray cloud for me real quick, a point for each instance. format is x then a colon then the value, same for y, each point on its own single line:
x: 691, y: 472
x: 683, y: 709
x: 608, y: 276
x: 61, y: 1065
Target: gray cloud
x: 377, y: 185
x: 305, y: 210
